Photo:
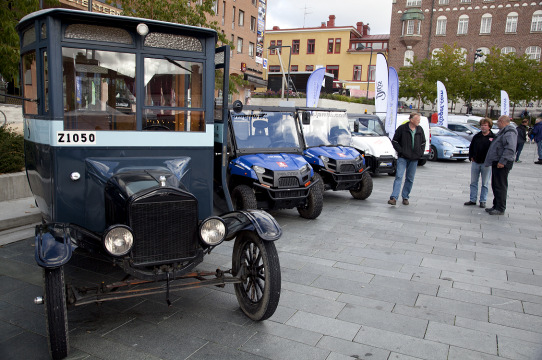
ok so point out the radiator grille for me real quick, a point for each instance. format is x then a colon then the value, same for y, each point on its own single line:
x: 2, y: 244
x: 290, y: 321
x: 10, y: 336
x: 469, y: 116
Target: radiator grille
x: 288, y: 181
x: 164, y: 230
x: 347, y: 168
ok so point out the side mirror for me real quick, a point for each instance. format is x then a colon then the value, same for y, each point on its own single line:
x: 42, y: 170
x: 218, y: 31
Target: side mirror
x: 356, y: 126
x: 237, y: 106
x: 306, y: 118
x: 468, y: 132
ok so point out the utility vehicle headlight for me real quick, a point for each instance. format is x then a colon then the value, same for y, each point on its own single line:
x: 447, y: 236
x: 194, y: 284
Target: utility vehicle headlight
x: 258, y: 169
x: 212, y: 231
x: 324, y: 158
x: 358, y: 159
x: 118, y: 240
x: 305, y: 167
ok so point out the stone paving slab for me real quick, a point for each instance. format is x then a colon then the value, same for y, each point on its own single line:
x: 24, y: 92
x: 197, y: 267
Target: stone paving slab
x: 432, y: 280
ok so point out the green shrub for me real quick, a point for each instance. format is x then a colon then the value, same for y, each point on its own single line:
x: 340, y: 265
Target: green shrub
x: 11, y: 151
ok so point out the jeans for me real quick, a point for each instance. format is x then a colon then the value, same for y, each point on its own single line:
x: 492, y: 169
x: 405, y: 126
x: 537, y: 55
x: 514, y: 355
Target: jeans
x: 539, y: 150
x: 476, y: 170
x: 499, y: 186
x: 519, y: 148
x: 410, y: 167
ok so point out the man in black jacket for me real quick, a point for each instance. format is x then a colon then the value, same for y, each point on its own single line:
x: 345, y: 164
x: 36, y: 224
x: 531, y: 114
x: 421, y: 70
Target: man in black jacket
x: 409, y: 142
x: 477, y: 155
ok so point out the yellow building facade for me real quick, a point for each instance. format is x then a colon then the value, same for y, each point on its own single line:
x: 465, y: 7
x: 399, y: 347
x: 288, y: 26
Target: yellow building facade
x: 345, y: 52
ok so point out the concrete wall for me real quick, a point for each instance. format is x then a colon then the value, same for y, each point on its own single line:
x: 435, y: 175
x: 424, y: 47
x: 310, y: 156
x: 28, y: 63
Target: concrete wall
x: 14, y: 186
x: 323, y: 103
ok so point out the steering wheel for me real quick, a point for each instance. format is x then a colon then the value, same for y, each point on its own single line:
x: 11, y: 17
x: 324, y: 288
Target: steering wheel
x: 156, y: 127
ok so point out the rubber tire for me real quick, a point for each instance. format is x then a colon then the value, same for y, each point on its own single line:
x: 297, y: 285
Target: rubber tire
x: 56, y: 313
x: 267, y: 256
x: 315, y: 200
x: 364, y: 188
x: 422, y: 162
x: 433, y: 154
x: 243, y: 198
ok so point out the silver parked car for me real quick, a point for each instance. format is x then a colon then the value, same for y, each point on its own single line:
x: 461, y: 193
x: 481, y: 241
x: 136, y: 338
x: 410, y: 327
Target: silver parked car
x: 464, y: 130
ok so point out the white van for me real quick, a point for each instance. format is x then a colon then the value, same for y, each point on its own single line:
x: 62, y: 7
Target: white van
x: 424, y: 123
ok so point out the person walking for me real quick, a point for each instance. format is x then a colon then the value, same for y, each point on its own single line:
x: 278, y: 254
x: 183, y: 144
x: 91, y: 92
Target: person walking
x: 522, y: 137
x: 537, y: 137
x: 409, y: 142
x: 500, y: 157
x: 477, y: 154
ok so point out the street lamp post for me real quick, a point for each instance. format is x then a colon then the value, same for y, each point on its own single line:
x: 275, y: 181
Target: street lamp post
x: 477, y: 54
x: 273, y: 47
x: 361, y: 47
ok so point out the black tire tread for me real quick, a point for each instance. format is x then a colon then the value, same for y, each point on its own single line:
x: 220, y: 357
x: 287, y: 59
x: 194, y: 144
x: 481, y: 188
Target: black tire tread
x: 56, y: 312
x: 315, y: 200
x: 246, y: 195
x: 365, y: 188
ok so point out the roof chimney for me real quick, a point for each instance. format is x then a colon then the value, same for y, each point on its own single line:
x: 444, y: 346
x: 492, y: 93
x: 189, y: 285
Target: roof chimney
x: 331, y: 22
x: 323, y: 24
x: 276, y: 28
x: 366, y: 30
x: 359, y: 26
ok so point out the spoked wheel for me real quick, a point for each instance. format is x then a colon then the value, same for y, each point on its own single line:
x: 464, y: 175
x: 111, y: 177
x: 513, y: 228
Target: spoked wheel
x: 364, y: 188
x: 315, y: 200
x: 258, y: 295
x: 56, y: 313
x: 243, y: 198
x: 433, y: 154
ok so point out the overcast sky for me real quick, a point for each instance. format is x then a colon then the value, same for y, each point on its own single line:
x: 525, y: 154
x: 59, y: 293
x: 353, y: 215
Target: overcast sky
x: 292, y: 14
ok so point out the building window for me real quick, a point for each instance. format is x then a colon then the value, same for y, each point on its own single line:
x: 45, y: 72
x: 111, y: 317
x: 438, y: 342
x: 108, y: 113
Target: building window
x: 435, y: 52
x: 508, y: 49
x: 215, y: 7
x: 272, y: 51
x: 333, y: 69
x: 464, y: 2
x: 511, y: 22
x: 293, y: 68
x: 311, y: 43
x: 233, y: 19
x: 410, y: 27
x: 233, y: 42
x: 337, y: 46
x: 274, y: 68
x: 252, y: 24
x: 536, y: 22
x: 295, y: 47
x: 441, y: 25
x: 224, y: 13
x: 357, y: 73
x: 279, y: 44
x: 409, y: 58
x: 330, y: 46
x: 533, y: 52
x: 443, y: 2
x: 371, y: 73
x: 251, y: 49
x: 414, y: 3
x: 481, y: 59
x: 241, y: 18
x: 309, y: 67
x: 463, y: 25
x: 485, y: 25
x: 239, y: 45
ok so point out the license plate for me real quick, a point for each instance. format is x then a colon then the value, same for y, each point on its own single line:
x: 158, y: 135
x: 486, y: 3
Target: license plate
x: 463, y: 152
x: 68, y: 138
x: 385, y: 164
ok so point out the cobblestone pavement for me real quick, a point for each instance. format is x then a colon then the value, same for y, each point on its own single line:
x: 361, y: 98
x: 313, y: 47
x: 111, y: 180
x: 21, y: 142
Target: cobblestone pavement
x: 432, y: 280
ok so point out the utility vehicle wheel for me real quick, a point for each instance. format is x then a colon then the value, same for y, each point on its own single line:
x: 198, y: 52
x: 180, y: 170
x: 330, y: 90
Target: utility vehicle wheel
x: 315, y: 200
x: 364, y: 188
x: 258, y: 295
x: 56, y: 313
x: 422, y: 162
x: 433, y: 154
x: 243, y: 198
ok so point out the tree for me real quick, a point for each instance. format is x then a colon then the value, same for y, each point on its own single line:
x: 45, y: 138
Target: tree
x: 413, y: 83
x: 11, y: 12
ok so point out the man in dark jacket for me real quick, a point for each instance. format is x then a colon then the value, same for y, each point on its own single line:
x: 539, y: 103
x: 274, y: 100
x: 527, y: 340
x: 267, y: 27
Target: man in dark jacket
x: 522, y: 137
x: 477, y: 155
x: 500, y: 157
x: 537, y: 137
x: 409, y: 142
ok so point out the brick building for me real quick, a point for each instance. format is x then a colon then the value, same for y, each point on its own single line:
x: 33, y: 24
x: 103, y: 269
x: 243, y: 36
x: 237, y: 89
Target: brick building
x: 345, y: 52
x: 421, y: 27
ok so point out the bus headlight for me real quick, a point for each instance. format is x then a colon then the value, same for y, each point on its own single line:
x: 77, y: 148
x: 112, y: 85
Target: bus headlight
x: 212, y: 231
x: 118, y: 240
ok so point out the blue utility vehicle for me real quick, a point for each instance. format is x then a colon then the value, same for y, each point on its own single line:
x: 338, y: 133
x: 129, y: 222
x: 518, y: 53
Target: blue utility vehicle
x: 328, y: 150
x: 266, y: 167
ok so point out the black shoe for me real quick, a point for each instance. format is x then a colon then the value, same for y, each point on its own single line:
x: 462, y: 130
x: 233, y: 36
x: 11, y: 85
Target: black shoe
x: 482, y: 204
x: 405, y: 202
x: 496, y: 212
x: 469, y: 203
x: 539, y: 162
x: 490, y: 209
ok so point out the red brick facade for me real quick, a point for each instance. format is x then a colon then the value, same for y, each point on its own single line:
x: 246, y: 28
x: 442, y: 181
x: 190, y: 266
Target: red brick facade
x: 427, y: 40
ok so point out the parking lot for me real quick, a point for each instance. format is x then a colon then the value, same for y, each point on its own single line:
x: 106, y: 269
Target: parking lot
x: 365, y: 280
